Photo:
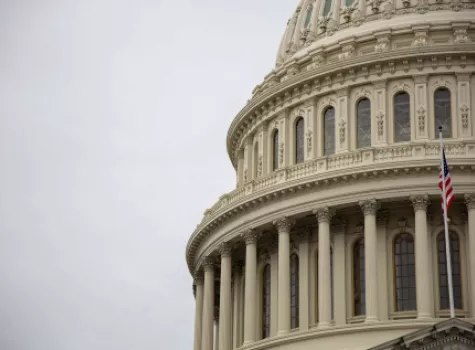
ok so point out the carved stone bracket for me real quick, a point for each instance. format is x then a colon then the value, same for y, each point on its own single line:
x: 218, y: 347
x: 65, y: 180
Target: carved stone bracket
x: 420, y: 39
x: 324, y: 214
x: 382, y: 44
x: 420, y: 202
x: 284, y: 224
x: 369, y: 207
x: 461, y: 36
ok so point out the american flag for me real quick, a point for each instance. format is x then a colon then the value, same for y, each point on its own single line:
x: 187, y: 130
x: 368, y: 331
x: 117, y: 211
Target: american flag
x: 449, y: 191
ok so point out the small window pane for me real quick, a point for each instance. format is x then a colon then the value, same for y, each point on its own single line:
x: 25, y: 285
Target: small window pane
x: 266, y: 303
x: 329, y: 127
x: 275, y: 150
x: 402, y: 117
x: 404, y: 272
x: 359, y: 278
x: 299, y: 141
x: 442, y: 113
x: 364, y: 123
x: 456, y: 276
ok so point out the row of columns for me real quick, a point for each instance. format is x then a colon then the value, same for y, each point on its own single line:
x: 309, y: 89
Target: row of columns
x: 205, y: 289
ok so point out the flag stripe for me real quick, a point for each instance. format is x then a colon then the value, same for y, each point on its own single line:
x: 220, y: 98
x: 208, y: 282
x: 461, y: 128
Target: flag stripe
x: 449, y: 191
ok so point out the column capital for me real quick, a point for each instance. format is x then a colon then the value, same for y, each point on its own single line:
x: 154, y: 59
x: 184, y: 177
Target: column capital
x: 369, y: 207
x: 324, y: 214
x: 208, y: 263
x: 249, y: 236
x: 284, y: 224
x: 225, y: 249
x: 198, y: 280
x: 470, y: 200
x: 420, y: 202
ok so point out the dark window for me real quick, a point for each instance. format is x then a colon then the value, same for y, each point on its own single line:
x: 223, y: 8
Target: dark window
x: 256, y: 160
x: 363, y: 116
x: 327, y: 8
x: 266, y: 303
x: 299, y: 141
x: 404, y: 272
x: 359, y: 278
x: 456, y: 275
x: 442, y: 113
x: 402, y: 117
x: 329, y: 131
x: 294, y: 291
x: 275, y: 150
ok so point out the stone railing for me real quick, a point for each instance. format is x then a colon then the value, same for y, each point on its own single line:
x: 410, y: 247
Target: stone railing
x: 356, y: 159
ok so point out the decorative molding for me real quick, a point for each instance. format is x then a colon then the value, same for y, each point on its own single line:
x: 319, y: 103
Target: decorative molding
x: 380, y: 123
x: 420, y: 202
x: 461, y: 36
x: 308, y: 135
x: 382, y: 44
x: 420, y: 39
x: 421, y: 119
x: 281, y: 154
x: 342, y: 125
x: 464, y: 113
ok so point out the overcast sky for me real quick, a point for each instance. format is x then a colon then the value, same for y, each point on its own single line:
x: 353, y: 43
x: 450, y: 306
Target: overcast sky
x: 113, y: 118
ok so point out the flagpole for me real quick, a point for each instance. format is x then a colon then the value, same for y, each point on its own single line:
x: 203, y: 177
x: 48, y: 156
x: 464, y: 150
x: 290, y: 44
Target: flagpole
x: 446, y: 226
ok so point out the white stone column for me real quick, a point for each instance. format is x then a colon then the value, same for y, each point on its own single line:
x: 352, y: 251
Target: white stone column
x: 208, y: 306
x: 198, y: 311
x: 324, y: 267
x: 283, y: 228
x: 369, y: 208
x: 470, y: 202
x: 225, y: 299
x: 422, y: 248
x: 303, y: 280
x: 339, y: 272
x: 250, y: 238
x: 216, y: 333
x: 236, y: 304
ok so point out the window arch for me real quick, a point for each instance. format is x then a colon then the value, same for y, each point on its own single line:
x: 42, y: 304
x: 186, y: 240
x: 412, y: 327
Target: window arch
x: 299, y: 140
x: 442, y: 112
x: 359, y: 295
x: 266, y: 302
x: 402, y: 117
x: 294, y: 291
x: 456, y: 274
x: 256, y: 160
x: 329, y: 131
x: 363, y: 120
x: 275, y: 150
x: 404, y: 272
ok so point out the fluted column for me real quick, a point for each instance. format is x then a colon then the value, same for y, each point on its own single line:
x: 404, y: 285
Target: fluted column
x: 369, y: 208
x: 283, y: 228
x: 225, y: 300
x: 236, y: 305
x: 208, y: 306
x: 470, y: 202
x: 422, y: 248
x: 198, y: 311
x: 324, y: 267
x: 303, y: 280
x: 250, y: 238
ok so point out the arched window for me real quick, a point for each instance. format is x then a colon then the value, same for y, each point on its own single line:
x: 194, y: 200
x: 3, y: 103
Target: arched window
x: 266, y: 302
x: 327, y: 8
x: 359, y: 306
x: 294, y: 291
x: 404, y: 272
x: 442, y: 114
x: 256, y: 160
x: 402, y: 117
x: 363, y: 117
x: 456, y: 275
x: 275, y: 150
x: 329, y: 131
x: 299, y: 141
x: 308, y: 18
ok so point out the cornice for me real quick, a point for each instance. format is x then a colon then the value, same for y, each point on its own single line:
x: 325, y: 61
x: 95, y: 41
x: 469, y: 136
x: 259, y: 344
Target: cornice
x: 248, y: 199
x: 336, y: 75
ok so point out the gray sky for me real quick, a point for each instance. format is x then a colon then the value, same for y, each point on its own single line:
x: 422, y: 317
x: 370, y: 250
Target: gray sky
x: 113, y: 117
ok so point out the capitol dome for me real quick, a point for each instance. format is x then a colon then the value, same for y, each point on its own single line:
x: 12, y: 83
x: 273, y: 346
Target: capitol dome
x: 334, y: 235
